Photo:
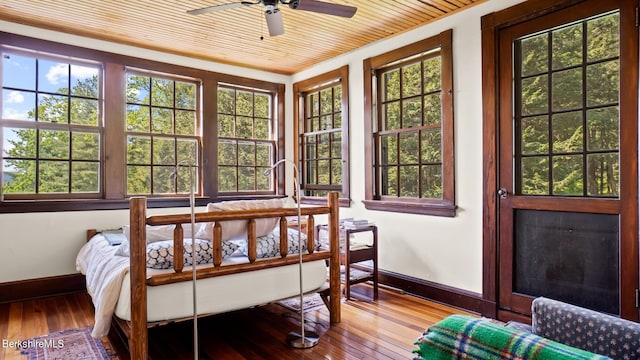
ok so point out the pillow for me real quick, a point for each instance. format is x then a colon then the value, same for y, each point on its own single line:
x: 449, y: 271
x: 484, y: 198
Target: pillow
x: 238, y: 228
x: 160, y: 253
x: 269, y: 245
x: 162, y: 232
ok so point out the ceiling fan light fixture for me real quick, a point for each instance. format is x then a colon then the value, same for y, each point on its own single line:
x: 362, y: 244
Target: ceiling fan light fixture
x: 273, y: 16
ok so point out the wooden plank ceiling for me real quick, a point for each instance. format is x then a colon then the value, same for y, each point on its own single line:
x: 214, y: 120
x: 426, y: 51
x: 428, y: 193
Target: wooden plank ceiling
x: 236, y: 36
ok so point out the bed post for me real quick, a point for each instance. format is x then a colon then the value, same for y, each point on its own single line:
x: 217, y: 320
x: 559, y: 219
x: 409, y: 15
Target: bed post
x: 334, y: 262
x: 138, y: 345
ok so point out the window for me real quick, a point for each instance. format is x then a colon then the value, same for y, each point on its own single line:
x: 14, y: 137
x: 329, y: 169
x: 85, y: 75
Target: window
x: 84, y: 130
x: 409, y: 108
x: 322, y: 144
x: 162, y: 128
x: 50, y: 127
x: 245, y: 145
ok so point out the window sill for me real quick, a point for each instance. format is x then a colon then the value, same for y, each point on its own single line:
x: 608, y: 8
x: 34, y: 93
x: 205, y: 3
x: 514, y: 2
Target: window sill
x: 409, y: 207
x: 322, y: 201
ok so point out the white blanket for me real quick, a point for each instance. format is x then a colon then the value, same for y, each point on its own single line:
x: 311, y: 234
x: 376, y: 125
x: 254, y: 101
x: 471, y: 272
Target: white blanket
x: 104, y: 273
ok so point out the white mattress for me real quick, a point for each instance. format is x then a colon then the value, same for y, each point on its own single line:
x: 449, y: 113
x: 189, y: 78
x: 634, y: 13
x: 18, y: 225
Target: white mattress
x: 224, y: 293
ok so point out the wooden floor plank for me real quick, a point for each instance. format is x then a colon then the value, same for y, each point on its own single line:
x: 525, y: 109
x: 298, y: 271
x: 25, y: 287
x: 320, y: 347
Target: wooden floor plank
x: 384, y: 329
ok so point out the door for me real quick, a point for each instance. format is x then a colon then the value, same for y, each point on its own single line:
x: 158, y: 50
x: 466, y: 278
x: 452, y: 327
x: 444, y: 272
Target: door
x: 567, y: 161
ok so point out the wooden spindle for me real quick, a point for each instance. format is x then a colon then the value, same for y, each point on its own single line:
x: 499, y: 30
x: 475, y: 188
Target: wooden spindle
x: 311, y: 244
x: 251, y: 240
x: 284, y: 237
x: 178, y: 248
x: 217, y: 244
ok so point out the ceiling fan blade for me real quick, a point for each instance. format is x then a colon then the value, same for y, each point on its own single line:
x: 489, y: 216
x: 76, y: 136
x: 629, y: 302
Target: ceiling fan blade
x: 274, y: 21
x: 323, y: 7
x: 213, y: 8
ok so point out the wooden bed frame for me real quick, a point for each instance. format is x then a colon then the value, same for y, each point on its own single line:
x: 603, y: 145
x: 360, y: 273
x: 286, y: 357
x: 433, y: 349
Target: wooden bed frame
x: 136, y: 330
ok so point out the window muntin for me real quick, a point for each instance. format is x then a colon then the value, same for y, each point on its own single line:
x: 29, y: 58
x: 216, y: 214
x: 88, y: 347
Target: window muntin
x: 246, y: 144
x: 51, y: 127
x: 567, y: 116
x: 409, y: 108
x: 162, y: 130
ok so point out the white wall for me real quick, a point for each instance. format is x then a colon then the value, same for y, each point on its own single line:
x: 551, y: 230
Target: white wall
x: 442, y: 250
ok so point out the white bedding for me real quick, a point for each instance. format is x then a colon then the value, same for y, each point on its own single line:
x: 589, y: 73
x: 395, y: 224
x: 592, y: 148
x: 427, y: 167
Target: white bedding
x: 108, y: 285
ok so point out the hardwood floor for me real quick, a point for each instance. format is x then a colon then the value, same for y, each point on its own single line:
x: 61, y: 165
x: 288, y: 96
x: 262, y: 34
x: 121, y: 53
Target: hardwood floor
x: 384, y: 329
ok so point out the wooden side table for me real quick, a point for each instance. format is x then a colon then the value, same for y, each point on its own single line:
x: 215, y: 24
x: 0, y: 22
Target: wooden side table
x: 350, y: 255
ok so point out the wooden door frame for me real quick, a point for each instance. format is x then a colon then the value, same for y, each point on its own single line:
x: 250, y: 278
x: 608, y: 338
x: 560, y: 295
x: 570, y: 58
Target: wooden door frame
x: 491, y: 26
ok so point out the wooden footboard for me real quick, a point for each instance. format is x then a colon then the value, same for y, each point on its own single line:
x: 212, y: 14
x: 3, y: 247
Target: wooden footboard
x: 138, y: 339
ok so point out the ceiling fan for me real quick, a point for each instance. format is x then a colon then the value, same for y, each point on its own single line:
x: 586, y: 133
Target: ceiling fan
x: 274, y: 17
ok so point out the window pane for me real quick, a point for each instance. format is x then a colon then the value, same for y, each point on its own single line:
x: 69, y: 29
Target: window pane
x: 138, y: 150
x: 391, y: 118
x: 261, y: 128
x: 534, y: 95
x: 431, y: 75
x: 185, y: 95
x: 18, y: 105
x: 227, y: 153
x: 567, y: 46
x: 53, y: 77
x: 244, y: 127
x: 162, y: 120
x: 226, y: 125
x: 389, y: 180
x: 603, y: 128
x: 336, y: 172
x: 323, y: 147
x: 244, y: 103
x: 324, y: 176
x: 567, y: 175
x: 432, y: 109
x: 19, y: 177
x: 138, y: 89
x: 337, y: 99
x: 19, y: 143
x: 246, y: 154
x: 53, y: 108
x: 567, y: 132
x: 411, y: 78
x: 85, y: 177
x: 164, y: 151
x: 603, y: 83
x: 326, y: 101
x: 53, y: 144
x: 603, y: 37
x: 162, y: 183
x: 534, y: 54
x: 53, y: 176
x: 535, y: 135
x: 336, y: 145
x: 409, y: 181
x: 162, y: 92
x: 567, y: 89
x: 535, y: 175
x: 603, y: 174
x: 185, y: 122
x: 263, y: 155
x: 84, y: 112
x: 138, y: 118
x: 187, y: 150
x: 84, y: 81
x: 261, y: 107
x: 411, y: 113
x: 314, y: 104
x: 391, y: 85
x: 18, y: 72
x: 85, y: 146
x: 138, y: 180
x: 388, y: 149
x: 226, y: 101
x: 431, y: 182
x: 227, y: 178
x: 431, y: 151
x: 409, y: 151
x: 246, y: 180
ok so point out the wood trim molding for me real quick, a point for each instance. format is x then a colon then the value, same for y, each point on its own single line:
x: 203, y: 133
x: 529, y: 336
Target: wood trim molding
x: 451, y: 296
x: 41, y: 287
